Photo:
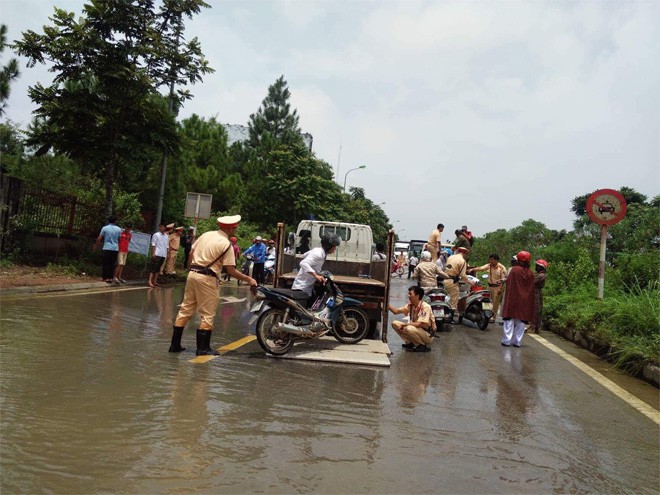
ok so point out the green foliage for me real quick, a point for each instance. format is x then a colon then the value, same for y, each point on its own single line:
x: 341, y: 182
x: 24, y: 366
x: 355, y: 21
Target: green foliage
x: 639, y: 231
x: 11, y: 146
x: 566, y: 276
x: 578, y: 309
x: 203, y: 163
x: 638, y: 269
x: 7, y: 260
x: 275, y: 122
x: 635, y: 312
x: 103, y: 108
x: 625, y: 321
x: 530, y: 236
x: 8, y: 72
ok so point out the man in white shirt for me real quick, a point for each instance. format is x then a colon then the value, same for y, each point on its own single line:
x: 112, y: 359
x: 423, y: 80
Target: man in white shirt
x: 310, y: 266
x: 412, y: 263
x: 159, y: 247
x: 379, y: 255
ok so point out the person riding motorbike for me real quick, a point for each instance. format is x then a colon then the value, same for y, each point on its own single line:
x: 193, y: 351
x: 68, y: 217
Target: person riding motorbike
x: 310, y: 266
x: 426, y: 273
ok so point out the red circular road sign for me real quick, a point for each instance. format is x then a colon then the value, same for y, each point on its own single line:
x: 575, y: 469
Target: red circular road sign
x: 606, y: 207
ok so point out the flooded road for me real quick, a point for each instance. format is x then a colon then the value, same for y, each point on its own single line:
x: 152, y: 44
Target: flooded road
x: 91, y: 401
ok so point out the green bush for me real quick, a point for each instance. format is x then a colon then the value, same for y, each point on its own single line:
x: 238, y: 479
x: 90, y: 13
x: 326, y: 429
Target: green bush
x: 639, y: 269
x: 627, y: 320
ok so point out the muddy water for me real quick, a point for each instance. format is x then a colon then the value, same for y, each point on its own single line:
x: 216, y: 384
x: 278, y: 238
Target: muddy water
x: 92, y: 402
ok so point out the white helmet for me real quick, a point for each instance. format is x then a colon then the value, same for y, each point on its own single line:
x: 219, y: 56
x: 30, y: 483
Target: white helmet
x: 426, y: 255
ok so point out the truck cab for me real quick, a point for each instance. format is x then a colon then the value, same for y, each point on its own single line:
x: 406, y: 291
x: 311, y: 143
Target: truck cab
x: 356, y: 239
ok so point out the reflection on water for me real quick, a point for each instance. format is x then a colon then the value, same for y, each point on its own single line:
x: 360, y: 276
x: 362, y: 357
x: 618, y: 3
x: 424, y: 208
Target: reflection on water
x: 91, y: 401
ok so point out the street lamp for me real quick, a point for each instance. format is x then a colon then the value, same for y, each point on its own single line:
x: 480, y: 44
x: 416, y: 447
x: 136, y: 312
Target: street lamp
x: 356, y: 168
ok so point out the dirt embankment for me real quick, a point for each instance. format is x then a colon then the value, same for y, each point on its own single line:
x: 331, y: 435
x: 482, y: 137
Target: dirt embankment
x: 29, y: 276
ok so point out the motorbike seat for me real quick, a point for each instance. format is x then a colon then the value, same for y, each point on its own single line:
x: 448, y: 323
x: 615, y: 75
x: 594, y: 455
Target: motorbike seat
x: 296, y: 295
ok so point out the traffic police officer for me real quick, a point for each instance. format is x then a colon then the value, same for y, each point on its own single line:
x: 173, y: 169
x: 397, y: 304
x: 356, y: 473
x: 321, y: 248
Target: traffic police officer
x: 210, y: 253
x: 456, y: 269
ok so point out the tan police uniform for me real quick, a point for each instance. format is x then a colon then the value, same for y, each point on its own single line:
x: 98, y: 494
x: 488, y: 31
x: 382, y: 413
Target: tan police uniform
x: 174, y: 243
x: 212, y: 250
x: 409, y: 333
x: 426, y: 273
x: 456, y: 268
x: 434, y: 243
x: 495, y: 277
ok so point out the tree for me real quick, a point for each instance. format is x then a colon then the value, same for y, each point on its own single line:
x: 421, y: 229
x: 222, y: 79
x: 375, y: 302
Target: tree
x: 274, y: 120
x: 292, y: 185
x: 8, y: 73
x: 204, y: 162
x: 103, y: 108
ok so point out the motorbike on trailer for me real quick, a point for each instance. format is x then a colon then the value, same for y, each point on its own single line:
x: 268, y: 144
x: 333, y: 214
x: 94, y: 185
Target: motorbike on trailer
x: 283, y: 318
x: 474, y: 303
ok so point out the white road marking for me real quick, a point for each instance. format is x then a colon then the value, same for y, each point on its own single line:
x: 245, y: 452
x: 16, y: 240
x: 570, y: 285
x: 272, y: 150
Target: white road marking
x: 641, y: 406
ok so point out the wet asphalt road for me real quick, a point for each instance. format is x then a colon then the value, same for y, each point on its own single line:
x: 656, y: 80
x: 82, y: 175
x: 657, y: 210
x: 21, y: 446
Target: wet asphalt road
x: 91, y: 401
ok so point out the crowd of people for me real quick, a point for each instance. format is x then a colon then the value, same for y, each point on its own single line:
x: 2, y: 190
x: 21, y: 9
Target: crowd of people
x: 522, y: 306
x: 164, y: 247
x: 516, y: 290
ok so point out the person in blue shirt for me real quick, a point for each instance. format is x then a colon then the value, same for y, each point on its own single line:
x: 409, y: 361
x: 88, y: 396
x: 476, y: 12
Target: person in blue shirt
x: 258, y: 252
x: 110, y: 237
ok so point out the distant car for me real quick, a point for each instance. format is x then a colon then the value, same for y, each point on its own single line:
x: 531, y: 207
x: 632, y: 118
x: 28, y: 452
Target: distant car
x: 606, y: 207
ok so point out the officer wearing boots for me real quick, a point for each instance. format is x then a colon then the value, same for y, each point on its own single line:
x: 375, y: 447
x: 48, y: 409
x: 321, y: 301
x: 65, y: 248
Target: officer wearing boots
x: 210, y: 253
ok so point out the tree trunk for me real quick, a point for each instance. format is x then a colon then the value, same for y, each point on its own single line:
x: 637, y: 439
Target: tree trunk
x: 109, y: 187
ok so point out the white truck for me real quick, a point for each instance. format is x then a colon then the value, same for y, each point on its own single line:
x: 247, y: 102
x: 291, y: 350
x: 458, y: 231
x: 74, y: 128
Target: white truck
x: 351, y: 265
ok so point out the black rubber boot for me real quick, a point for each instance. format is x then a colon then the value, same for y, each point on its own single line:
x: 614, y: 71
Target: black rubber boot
x: 204, y: 344
x: 175, y: 346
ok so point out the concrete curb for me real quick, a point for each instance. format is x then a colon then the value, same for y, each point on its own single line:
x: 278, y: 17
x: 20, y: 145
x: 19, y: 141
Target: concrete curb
x: 649, y: 372
x: 43, y: 289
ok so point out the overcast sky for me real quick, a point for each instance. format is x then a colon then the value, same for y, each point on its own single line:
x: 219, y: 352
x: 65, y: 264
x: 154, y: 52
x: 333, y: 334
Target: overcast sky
x: 477, y: 113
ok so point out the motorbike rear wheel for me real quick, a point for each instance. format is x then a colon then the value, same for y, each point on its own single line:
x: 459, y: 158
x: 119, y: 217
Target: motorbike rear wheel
x: 482, y: 324
x: 351, y: 326
x: 273, y: 341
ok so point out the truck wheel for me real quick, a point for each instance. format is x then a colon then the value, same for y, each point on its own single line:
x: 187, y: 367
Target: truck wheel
x: 351, y: 326
x: 273, y: 341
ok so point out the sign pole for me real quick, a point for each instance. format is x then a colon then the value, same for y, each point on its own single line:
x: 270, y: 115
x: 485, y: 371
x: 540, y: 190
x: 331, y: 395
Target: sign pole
x: 601, y: 262
x: 605, y: 207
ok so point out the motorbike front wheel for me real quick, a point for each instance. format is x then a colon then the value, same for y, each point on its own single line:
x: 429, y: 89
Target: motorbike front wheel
x: 399, y: 271
x: 271, y: 340
x: 351, y: 326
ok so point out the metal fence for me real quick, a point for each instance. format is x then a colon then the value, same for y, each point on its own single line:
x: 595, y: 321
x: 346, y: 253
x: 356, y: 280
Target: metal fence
x: 44, y: 212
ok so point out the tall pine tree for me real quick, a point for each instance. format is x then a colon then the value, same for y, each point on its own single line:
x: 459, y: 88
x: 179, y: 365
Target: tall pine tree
x: 274, y: 123
x: 7, y: 73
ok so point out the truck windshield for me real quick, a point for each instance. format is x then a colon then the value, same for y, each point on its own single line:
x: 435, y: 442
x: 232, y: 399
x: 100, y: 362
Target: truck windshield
x: 416, y: 246
x: 343, y: 232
